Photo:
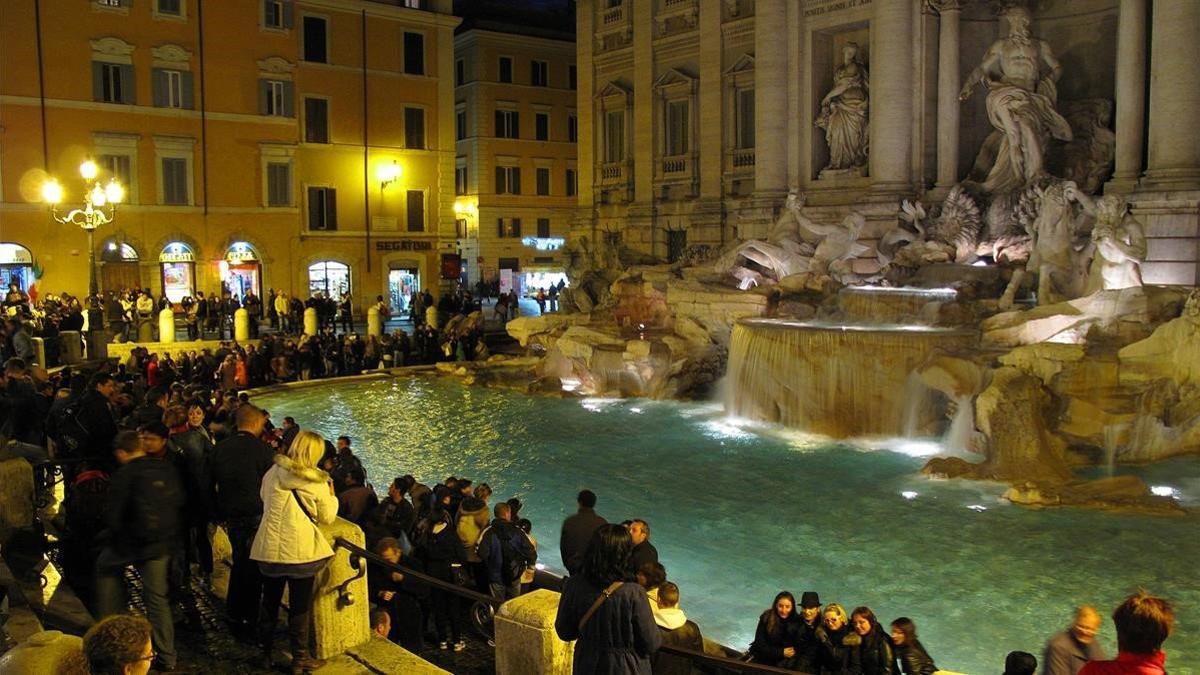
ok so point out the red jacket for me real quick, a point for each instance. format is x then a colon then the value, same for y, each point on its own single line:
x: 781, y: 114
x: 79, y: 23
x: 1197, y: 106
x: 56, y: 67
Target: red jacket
x: 1128, y: 663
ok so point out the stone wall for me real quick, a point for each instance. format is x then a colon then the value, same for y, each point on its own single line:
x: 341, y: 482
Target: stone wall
x: 525, y: 639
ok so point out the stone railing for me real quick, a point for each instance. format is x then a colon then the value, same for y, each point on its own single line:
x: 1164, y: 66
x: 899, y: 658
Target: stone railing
x: 676, y: 164
x: 613, y: 15
x: 738, y: 9
x: 614, y: 173
x: 739, y: 161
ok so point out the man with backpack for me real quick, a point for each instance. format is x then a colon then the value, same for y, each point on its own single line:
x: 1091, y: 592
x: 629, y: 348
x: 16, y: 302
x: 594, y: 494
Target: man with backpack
x: 141, y: 516
x: 85, y: 428
x: 506, y: 551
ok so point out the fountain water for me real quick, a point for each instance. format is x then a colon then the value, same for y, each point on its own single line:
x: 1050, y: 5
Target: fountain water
x: 888, y: 304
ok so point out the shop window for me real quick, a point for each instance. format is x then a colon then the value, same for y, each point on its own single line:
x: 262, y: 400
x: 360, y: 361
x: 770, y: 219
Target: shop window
x: 177, y: 264
x: 16, y: 266
x: 241, y: 271
x: 329, y: 278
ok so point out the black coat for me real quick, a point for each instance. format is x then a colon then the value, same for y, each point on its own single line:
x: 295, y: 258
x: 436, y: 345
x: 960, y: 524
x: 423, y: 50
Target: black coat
x: 641, y: 554
x: 808, y: 646
x: 621, y: 635
x: 96, y: 416
x: 21, y: 421
x: 577, y: 531
x: 141, y: 510
x: 194, y: 453
x: 839, y: 651
x: 239, y: 463
x: 405, y: 604
x: 912, y: 659
x: 770, y: 641
x: 875, y: 653
x: 686, y: 636
x: 441, y: 551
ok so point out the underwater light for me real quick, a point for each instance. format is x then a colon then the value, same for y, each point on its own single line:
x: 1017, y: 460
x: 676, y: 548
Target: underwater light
x: 1164, y: 491
x: 909, y: 495
x: 977, y: 507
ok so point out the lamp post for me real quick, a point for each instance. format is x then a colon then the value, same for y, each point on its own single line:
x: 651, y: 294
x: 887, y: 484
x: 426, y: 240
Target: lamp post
x: 99, y: 208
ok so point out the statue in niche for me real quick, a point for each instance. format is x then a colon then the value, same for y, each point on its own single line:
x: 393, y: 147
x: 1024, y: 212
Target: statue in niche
x: 1119, y: 240
x: 843, y: 116
x: 1021, y: 75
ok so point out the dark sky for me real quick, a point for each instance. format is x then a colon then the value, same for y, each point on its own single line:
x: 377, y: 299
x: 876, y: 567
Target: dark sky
x: 556, y: 15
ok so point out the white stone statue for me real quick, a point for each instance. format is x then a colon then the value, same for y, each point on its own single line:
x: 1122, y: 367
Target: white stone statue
x: 843, y: 115
x: 1061, y: 264
x: 1021, y: 75
x: 1119, y: 240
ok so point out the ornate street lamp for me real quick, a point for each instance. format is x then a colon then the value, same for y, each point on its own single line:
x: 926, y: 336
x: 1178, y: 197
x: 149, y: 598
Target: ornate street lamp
x: 99, y: 208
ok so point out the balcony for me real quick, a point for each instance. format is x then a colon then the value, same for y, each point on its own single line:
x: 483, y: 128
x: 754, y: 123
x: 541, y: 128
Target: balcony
x: 677, y: 176
x: 614, y: 173
x: 612, y: 16
x: 739, y: 161
x: 614, y: 27
x: 737, y: 9
x: 675, y: 17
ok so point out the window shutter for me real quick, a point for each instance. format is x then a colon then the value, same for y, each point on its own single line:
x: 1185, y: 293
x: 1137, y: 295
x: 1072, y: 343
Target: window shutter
x: 264, y: 94
x: 289, y: 99
x: 313, y: 214
x: 331, y: 209
x: 500, y: 187
x: 516, y: 227
x: 185, y: 84
x: 128, y: 87
x: 266, y: 12
x: 500, y: 227
x: 97, y: 81
x: 516, y: 124
x: 158, y: 87
x: 289, y: 12
x: 499, y: 121
x: 416, y: 211
x: 516, y: 180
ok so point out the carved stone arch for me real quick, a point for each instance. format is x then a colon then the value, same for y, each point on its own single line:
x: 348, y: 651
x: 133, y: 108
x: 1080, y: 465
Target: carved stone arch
x: 122, y: 237
x: 153, y: 252
x: 171, y: 54
x: 276, y: 65
x: 112, y: 46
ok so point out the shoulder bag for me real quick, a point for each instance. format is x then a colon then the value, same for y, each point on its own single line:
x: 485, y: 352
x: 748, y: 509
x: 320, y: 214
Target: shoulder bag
x: 604, y: 595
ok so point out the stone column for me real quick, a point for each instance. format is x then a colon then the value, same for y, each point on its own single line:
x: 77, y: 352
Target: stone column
x: 338, y: 625
x: 1174, y: 158
x: 770, y: 97
x: 948, y: 105
x: 1131, y: 89
x: 891, y: 96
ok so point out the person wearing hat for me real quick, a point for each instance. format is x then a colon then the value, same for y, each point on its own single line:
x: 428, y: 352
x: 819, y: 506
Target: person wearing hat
x: 1020, y: 663
x: 1069, y: 651
x: 808, y: 642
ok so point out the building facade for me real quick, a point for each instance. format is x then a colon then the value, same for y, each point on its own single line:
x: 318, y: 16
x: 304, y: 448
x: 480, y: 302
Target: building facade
x: 696, y: 118
x: 515, y: 173
x: 296, y: 145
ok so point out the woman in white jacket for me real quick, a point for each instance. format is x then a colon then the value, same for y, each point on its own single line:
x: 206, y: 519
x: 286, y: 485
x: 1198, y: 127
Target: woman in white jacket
x: 289, y: 547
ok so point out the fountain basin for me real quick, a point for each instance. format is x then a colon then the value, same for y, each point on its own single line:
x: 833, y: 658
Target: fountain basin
x: 892, y: 304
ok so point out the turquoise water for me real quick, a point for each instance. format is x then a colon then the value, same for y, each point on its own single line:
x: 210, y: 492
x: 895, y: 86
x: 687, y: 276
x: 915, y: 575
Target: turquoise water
x: 738, y: 515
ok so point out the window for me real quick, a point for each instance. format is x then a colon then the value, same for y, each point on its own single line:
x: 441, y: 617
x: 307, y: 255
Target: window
x: 414, y: 128
x: 572, y: 128
x: 508, y: 124
x: 316, y: 120
x: 112, y: 82
x: 571, y: 182
x: 506, y: 69
x: 460, y: 228
x: 172, y: 7
x: 277, y: 13
x: 509, y: 228
x: 460, y: 124
x: 175, y: 181
x: 329, y: 278
x: 543, y: 181
x: 275, y: 98
x: 110, y: 3
x: 572, y: 77
x: 460, y: 72
x: 539, y: 73
x: 416, y: 210
x: 172, y: 88
x: 745, y: 118
x: 543, y: 228
x: 322, y: 208
x: 676, y: 243
x: 677, y: 128
x: 279, y: 184
x: 614, y: 136
x: 118, y: 166
x: 508, y: 180
x: 314, y: 40
x: 541, y: 126
x: 460, y: 180
x: 414, y: 53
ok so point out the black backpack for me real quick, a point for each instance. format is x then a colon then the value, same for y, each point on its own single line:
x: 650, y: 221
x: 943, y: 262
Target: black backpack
x: 512, y: 561
x: 67, y: 429
x: 153, y: 512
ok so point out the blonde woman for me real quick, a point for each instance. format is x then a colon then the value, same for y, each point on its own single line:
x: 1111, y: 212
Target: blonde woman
x: 838, y: 642
x: 289, y: 547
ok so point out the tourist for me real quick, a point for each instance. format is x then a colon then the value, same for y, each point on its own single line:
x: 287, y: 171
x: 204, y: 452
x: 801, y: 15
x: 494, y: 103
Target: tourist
x: 195, y: 448
x: 119, y: 645
x: 471, y: 521
x: 443, y: 555
x: 838, y: 642
x: 151, y: 409
x: 874, y: 650
x: 1020, y: 663
x: 651, y: 577
x: 505, y: 552
x: 808, y: 629
x: 910, y: 653
x: 1069, y: 651
x: 142, y: 521
x: 577, y: 531
x: 239, y: 464
x: 1143, y: 624
x: 381, y: 623
x: 609, y: 618
x: 676, y: 631
x: 356, y: 499
x: 395, y: 516
x: 399, y: 595
x: 289, y: 547
x: 344, y: 462
x: 643, y: 551
x: 530, y: 572
x: 775, y: 638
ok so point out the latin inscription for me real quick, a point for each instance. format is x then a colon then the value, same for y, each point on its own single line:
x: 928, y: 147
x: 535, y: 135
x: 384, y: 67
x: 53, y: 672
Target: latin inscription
x: 825, y: 7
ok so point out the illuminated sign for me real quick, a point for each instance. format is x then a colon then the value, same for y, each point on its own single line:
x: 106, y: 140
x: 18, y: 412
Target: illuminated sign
x: 176, y: 252
x: 544, y: 243
x: 241, y: 252
x: 14, y: 254
x: 404, y: 245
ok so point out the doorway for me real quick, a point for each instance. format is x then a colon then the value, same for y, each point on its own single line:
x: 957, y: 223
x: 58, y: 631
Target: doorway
x: 402, y: 283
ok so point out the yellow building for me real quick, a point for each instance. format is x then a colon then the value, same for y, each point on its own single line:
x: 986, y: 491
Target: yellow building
x: 299, y: 145
x: 516, y: 126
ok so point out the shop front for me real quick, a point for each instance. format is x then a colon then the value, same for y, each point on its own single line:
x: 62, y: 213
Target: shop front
x: 119, y: 266
x: 329, y: 278
x: 404, y: 279
x: 16, y: 266
x: 178, y: 266
x: 241, y: 271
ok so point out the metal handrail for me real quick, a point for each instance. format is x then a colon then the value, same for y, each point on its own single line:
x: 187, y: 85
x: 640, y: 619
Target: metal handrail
x: 494, y: 602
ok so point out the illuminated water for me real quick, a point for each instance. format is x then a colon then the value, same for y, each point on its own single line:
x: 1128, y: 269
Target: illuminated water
x: 737, y: 516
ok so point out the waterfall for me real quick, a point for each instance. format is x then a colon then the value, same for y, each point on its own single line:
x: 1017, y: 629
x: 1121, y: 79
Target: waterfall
x: 881, y: 304
x: 957, y: 441
x: 836, y: 380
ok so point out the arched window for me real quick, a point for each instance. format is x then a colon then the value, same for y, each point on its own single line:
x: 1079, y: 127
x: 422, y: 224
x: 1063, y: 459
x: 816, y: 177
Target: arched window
x: 118, y: 252
x: 178, y: 263
x: 329, y: 278
x: 241, y: 271
x: 16, y: 266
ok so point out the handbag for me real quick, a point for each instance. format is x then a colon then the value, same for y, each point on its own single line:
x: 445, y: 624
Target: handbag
x: 604, y: 595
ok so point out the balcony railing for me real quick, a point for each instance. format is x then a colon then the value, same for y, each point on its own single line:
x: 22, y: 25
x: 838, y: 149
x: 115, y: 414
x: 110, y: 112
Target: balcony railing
x: 613, y: 16
x: 673, y: 165
x: 742, y: 159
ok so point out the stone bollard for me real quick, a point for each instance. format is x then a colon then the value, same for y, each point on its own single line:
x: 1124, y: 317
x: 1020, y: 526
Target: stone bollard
x: 525, y: 637
x: 97, y: 345
x: 49, y: 651
x: 145, y: 330
x: 338, y: 626
x: 166, y: 326
x: 374, y: 322
x: 39, y: 351
x: 241, y: 325
x: 311, y: 326
x: 70, y: 347
x: 16, y: 494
